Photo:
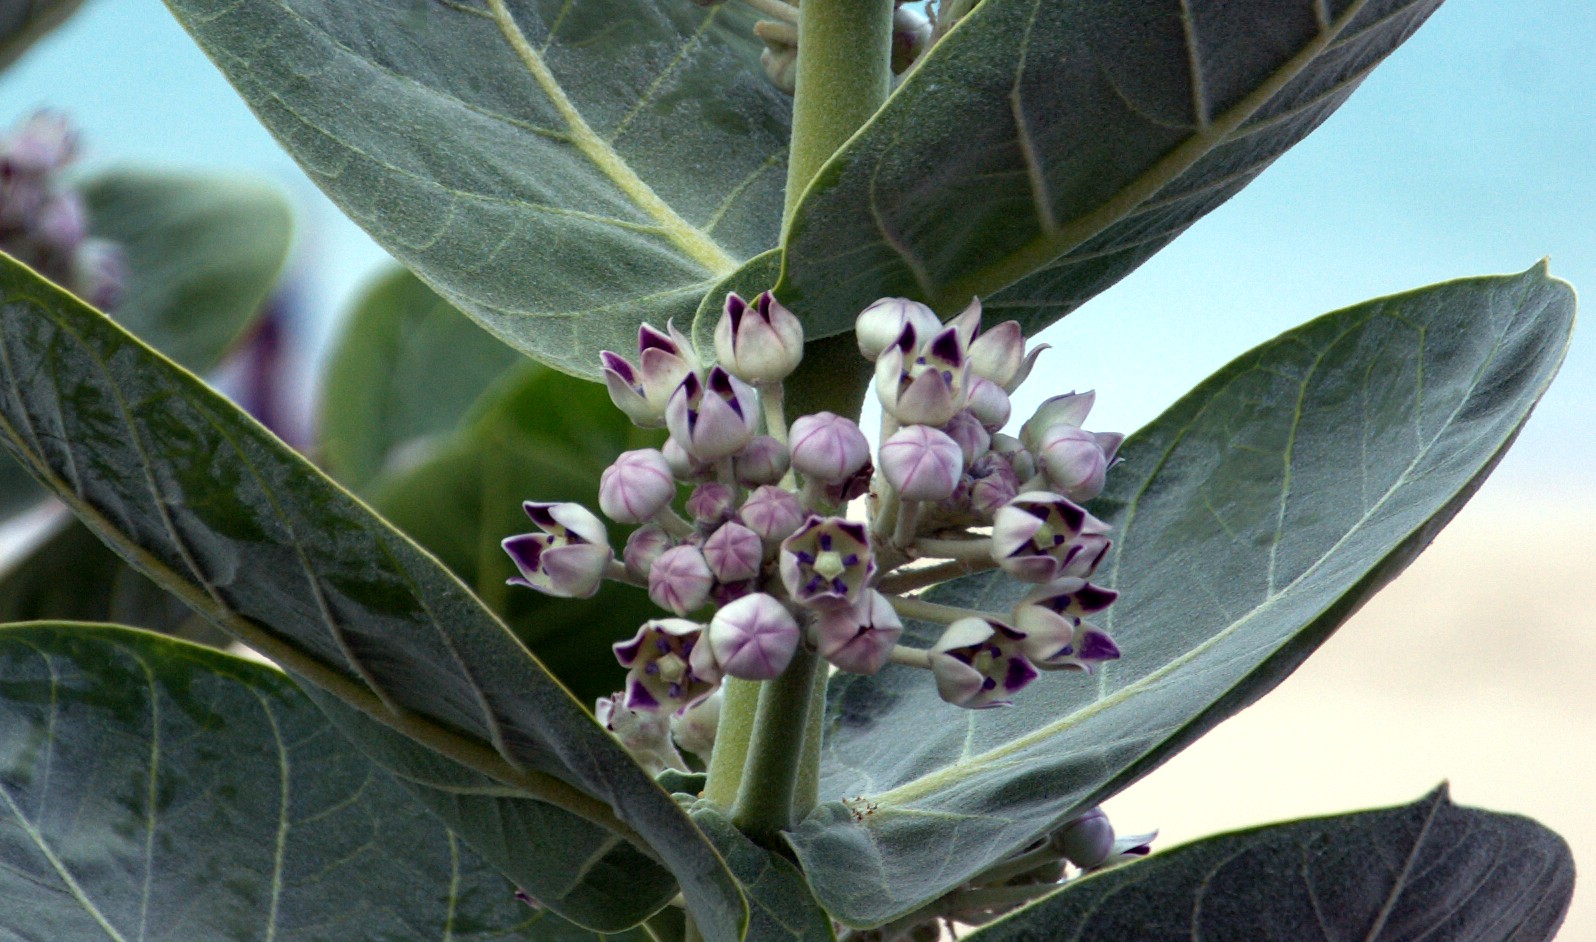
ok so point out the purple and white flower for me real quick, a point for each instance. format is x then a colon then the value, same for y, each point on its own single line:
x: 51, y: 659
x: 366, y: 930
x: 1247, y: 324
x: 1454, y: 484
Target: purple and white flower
x: 1037, y: 537
x: 828, y: 563
x: 734, y: 553
x: 980, y: 663
x: 763, y: 461
x: 642, y: 391
x: 772, y: 513
x: 568, y: 558
x: 1077, y: 461
x: 711, y: 502
x: 636, y: 487
x: 827, y: 447
x: 922, y: 463
x: 643, y: 547
x: 1088, y: 842
x: 668, y: 668
x: 922, y: 381
x: 881, y: 324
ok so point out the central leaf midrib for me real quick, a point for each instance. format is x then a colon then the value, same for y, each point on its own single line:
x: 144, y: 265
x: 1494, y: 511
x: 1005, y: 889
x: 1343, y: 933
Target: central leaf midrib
x: 685, y: 236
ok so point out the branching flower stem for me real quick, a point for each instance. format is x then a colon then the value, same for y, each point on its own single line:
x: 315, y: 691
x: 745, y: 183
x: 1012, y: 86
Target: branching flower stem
x: 770, y: 399
x: 910, y: 580
x: 977, y: 549
x: 933, y: 612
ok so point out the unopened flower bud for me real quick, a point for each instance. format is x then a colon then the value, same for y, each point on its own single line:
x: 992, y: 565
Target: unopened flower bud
x: 734, y: 553
x: 62, y: 223
x: 772, y: 513
x: 988, y: 403
x: 881, y: 324
x: 911, y: 34
x: 753, y: 638
x: 45, y: 143
x: 1086, y: 841
x: 827, y: 447
x: 859, y: 639
x: 685, y: 467
x: 636, y: 487
x: 695, y: 727
x: 711, y: 502
x: 979, y: 663
x: 1068, y: 409
x: 1017, y: 455
x: 763, y: 461
x: 643, y: 391
x: 680, y: 579
x: 568, y: 558
x: 760, y: 342
x: 668, y: 667
x: 973, y: 438
x: 922, y: 463
x: 993, y: 483
x: 1076, y: 461
x: 713, y: 418
x: 827, y: 563
x: 643, y: 547
x: 923, y: 381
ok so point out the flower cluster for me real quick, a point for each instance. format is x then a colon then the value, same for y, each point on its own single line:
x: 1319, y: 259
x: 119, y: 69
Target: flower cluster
x: 45, y: 225
x: 741, y: 528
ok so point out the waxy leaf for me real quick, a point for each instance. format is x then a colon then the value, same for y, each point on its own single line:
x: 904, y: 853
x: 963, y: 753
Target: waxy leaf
x: 198, y: 496
x: 1429, y: 870
x: 155, y: 790
x: 561, y: 170
x: 539, y: 435
x: 780, y: 906
x: 25, y: 22
x: 1073, y: 139
x: 407, y: 366
x: 202, y: 252
x: 1251, y: 519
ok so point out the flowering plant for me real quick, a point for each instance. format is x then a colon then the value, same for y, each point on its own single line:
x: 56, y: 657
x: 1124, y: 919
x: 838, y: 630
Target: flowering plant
x: 822, y: 688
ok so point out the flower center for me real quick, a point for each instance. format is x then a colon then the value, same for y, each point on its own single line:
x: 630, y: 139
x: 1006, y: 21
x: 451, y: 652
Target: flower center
x: 672, y: 668
x: 829, y: 564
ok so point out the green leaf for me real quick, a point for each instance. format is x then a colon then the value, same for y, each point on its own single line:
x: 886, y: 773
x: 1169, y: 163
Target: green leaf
x: 198, y: 496
x: 1252, y: 518
x: 1072, y: 139
x: 781, y: 908
x: 407, y: 366
x: 203, y: 251
x: 538, y: 435
x: 561, y: 170
x: 1429, y: 870
x: 156, y: 790
x: 25, y: 22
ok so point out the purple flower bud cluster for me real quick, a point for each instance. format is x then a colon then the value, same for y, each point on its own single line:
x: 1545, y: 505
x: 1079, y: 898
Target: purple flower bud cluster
x: 43, y: 223
x: 742, y: 534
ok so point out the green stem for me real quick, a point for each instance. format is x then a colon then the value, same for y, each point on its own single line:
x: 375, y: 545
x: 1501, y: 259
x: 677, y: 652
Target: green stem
x: 765, y: 798
x: 909, y: 580
x: 844, y: 74
x: 932, y: 612
x: 736, y: 731
x: 953, y: 549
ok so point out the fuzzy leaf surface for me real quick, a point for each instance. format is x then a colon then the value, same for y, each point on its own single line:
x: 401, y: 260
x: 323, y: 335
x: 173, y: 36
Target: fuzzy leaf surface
x: 197, y: 495
x: 537, y: 435
x: 1251, y: 519
x: 561, y: 170
x: 407, y: 366
x: 1429, y: 870
x: 155, y: 790
x: 1071, y: 139
x: 781, y: 908
x: 202, y: 253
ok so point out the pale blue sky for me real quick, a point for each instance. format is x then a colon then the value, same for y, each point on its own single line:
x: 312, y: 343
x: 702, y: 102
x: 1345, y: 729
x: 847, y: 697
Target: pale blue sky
x: 1468, y: 152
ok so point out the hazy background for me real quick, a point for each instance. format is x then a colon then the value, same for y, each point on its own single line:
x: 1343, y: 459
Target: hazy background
x: 1468, y: 152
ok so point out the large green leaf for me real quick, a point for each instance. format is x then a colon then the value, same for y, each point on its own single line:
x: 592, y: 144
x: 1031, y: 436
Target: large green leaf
x: 197, y: 495
x: 781, y: 907
x: 407, y: 366
x: 1073, y: 139
x: 1429, y: 870
x: 202, y: 251
x: 538, y: 435
x: 24, y: 22
x: 1252, y: 518
x: 150, y: 789
x: 561, y: 170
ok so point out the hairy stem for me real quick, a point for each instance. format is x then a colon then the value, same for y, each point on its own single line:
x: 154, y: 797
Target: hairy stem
x: 736, y: 731
x: 909, y: 580
x: 765, y: 798
x: 953, y: 549
x: 932, y: 612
